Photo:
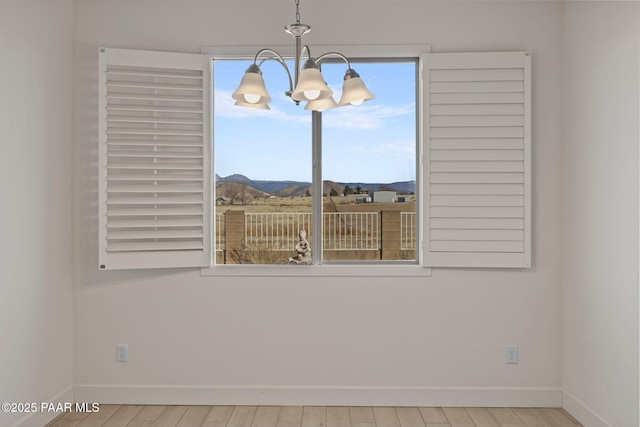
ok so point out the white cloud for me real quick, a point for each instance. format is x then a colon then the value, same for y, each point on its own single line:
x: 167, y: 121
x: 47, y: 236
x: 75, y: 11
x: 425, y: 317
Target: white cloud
x: 224, y: 107
x: 400, y: 148
x: 364, y: 116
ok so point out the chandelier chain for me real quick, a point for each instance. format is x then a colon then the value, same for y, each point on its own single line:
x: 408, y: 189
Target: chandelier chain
x: 297, y: 11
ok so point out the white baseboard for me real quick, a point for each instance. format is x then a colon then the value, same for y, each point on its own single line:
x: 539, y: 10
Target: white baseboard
x: 40, y: 418
x: 324, y: 396
x: 580, y: 411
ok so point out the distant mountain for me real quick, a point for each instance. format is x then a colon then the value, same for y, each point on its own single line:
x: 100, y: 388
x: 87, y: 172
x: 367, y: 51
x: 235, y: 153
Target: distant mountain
x: 271, y: 187
x: 300, y: 188
x: 237, y: 178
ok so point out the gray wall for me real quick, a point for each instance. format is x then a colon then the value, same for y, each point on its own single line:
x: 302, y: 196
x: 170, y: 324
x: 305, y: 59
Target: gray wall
x: 439, y: 337
x: 36, y: 249
x: 600, y: 309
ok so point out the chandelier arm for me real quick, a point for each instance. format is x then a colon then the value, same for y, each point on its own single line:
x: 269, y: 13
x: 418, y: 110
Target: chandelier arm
x: 278, y: 58
x: 328, y: 54
x: 306, y: 47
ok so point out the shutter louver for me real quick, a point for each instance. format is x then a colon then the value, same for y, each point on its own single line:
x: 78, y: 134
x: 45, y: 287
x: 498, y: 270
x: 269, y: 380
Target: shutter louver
x: 477, y: 131
x: 154, y: 159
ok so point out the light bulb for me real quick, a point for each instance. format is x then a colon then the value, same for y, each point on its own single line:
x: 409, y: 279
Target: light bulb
x: 311, y: 94
x: 358, y: 102
x: 251, y: 98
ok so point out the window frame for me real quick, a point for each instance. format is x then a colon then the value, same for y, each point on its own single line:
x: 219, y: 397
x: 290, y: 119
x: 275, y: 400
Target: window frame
x: 331, y: 268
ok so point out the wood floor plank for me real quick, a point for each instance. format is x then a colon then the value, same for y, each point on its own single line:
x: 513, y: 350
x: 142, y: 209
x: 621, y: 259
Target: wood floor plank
x: 361, y: 414
x: 171, y: 416
x: 386, y: 416
x: 149, y: 413
x: 531, y: 417
x: 242, y: 416
x: 556, y: 417
x: 68, y: 416
x: 195, y: 416
x: 140, y: 424
x: 64, y: 422
x: 96, y: 419
x: 481, y: 417
x: 266, y: 416
x: 123, y: 416
x: 506, y: 417
x: 410, y: 417
x: 76, y: 415
x: 568, y: 415
x: 338, y: 416
x: 314, y: 416
x: 290, y: 414
x: 55, y: 420
x: 433, y: 415
x: 458, y: 417
x: 218, y: 416
x: 289, y: 423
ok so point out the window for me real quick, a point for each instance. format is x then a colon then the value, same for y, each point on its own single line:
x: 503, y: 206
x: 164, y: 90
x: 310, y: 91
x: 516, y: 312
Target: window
x: 469, y: 167
x: 365, y: 158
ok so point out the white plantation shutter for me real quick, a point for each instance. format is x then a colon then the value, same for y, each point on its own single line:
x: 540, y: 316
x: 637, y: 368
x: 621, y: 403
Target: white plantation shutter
x: 477, y: 159
x: 154, y: 179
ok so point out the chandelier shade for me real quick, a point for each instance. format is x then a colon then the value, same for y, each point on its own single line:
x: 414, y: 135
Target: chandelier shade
x: 354, y: 91
x: 257, y: 106
x: 252, y: 89
x: 307, y: 83
x: 321, y: 104
x: 311, y: 84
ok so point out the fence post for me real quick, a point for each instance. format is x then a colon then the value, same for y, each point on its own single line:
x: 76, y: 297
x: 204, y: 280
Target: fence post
x: 234, y: 232
x: 390, y: 244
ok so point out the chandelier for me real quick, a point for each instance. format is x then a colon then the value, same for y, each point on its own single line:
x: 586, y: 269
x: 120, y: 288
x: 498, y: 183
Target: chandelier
x: 307, y: 83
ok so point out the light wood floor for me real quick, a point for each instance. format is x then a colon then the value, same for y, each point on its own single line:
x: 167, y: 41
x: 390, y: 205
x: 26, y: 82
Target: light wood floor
x: 313, y: 416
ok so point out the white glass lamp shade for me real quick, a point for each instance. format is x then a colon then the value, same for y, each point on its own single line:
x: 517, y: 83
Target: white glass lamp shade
x: 311, y: 85
x: 252, y: 89
x: 321, y: 104
x: 354, y: 91
x: 257, y: 106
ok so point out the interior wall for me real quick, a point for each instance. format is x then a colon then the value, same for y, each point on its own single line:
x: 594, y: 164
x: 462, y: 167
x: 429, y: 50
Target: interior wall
x: 600, y: 340
x: 36, y: 246
x: 436, y: 340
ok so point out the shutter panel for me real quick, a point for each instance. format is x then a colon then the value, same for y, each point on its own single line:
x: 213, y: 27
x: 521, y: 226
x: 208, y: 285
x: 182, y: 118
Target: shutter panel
x: 154, y: 159
x: 477, y: 159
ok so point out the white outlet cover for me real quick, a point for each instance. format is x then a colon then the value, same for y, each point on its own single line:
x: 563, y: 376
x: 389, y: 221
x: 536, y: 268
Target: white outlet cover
x: 512, y: 354
x: 122, y: 353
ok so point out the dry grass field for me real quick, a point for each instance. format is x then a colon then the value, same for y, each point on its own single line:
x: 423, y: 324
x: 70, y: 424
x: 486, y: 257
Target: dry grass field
x: 303, y: 204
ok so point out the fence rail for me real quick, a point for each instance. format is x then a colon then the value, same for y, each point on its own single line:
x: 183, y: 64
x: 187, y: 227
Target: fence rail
x: 407, y: 230
x: 351, y: 231
x: 276, y: 231
x: 220, y: 232
x: 341, y: 230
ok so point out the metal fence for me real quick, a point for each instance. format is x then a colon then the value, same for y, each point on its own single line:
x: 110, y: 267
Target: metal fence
x: 407, y: 230
x: 276, y: 231
x: 220, y: 232
x: 351, y: 231
x: 341, y: 230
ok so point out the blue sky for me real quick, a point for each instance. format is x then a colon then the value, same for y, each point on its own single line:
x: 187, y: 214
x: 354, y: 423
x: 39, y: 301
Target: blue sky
x: 373, y: 142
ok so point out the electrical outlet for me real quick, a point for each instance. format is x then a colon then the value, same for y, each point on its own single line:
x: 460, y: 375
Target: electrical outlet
x: 512, y: 354
x: 122, y: 353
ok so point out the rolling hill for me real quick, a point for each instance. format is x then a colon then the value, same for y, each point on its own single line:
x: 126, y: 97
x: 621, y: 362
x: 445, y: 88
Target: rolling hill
x: 300, y: 188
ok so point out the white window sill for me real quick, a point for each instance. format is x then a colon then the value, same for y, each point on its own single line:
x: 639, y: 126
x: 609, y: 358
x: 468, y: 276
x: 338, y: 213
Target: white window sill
x: 333, y: 270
